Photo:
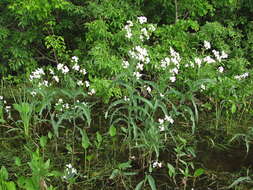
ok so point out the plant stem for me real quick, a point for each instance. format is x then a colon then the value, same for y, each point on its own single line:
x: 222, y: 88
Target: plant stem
x: 176, y: 11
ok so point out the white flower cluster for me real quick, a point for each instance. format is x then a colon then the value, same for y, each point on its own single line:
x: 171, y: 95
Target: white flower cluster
x: 128, y: 29
x: 142, y: 19
x: 125, y: 64
x: 64, y: 69
x: 208, y: 59
x: 43, y: 83
x: 4, y: 102
x: 167, y: 119
x: 60, y: 105
x: 219, y: 56
x: 148, y: 88
x: 37, y: 74
x: 157, y: 164
x: 75, y: 59
x: 69, y: 172
x: 173, y: 63
x: 220, y: 69
x: 140, y: 54
x: 207, y: 45
x: 92, y: 92
x: 242, y: 76
x: 146, y: 32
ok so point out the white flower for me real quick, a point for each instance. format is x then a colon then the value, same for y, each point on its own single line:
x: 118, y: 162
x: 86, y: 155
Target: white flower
x: 207, y: 45
x: 151, y: 27
x: 217, y: 55
x: 175, y: 70
x: 92, y: 92
x: 149, y: 89
x: 198, y: 61
x: 79, y: 83
x: 56, y: 78
x: 224, y: 55
x: 145, y: 33
x: 161, y: 128
x: 165, y: 62
x: 161, y: 121
x: 69, y: 166
x: 33, y: 93
x: 128, y: 34
x: 202, y: 87
x: 66, y: 106
x: 125, y: 64
x: 51, y: 71
x: 221, y: 69
x: 1, y: 97
x: 173, y: 79
x: 162, y: 95
x: 60, y: 66
x: 243, y: 76
x: 7, y: 109
x: 69, y: 171
x: 169, y: 119
x: 60, y: 101
x: 65, y: 69
x: 142, y: 19
x: 126, y: 99
x: 157, y: 164
x: 87, y: 84
x: 208, y: 59
x: 75, y: 59
x: 137, y: 75
x: 76, y: 67
x: 130, y: 23
x: 83, y: 71
x: 139, y: 66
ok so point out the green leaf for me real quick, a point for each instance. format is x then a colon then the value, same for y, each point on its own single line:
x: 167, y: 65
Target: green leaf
x: 239, y: 180
x: 199, y: 172
x: 3, y: 173
x: 124, y: 165
x: 115, y: 172
x: 50, y: 135
x: 99, y: 137
x: 139, y: 186
x: 112, y: 131
x: 233, y: 108
x: 17, y: 161
x: 85, y: 139
x: 11, y: 185
x: 151, y: 182
x: 172, y: 171
x: 43, y: 141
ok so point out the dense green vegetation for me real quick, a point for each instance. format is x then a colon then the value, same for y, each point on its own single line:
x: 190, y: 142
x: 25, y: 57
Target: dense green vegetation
x: 130, y: 94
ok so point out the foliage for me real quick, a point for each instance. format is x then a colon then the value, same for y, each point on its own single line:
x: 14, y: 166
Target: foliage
x: 116, y: 92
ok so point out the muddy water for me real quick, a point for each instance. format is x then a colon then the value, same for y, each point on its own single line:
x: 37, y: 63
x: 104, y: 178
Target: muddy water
x: 230, y: 160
